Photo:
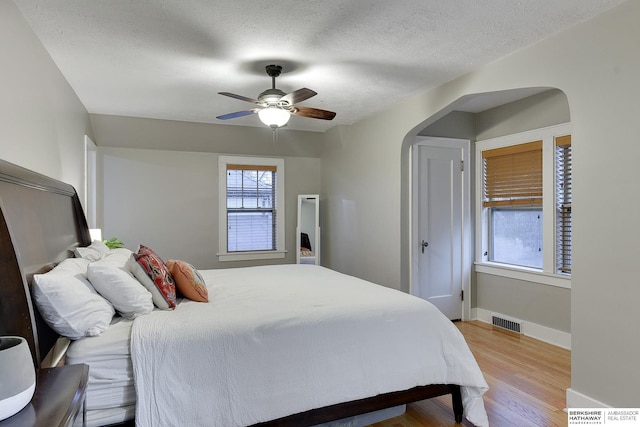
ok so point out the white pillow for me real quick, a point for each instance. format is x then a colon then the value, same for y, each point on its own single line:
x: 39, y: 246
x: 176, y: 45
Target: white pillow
x: 122, y: 251
x: 120, y: 288
x: 72, y: 266
x: 95, y: 251
x: 68, y: 302
x: 115, y: 258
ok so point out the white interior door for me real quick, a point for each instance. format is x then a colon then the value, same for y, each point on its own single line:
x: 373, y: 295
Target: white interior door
x: 440, y: 225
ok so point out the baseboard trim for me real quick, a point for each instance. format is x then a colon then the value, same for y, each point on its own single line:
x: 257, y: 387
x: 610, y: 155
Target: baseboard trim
x: 543, y: 333
x: 579, y: 400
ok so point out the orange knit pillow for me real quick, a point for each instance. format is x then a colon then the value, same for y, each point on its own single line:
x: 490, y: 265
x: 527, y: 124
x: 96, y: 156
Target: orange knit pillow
x: 188, y: 280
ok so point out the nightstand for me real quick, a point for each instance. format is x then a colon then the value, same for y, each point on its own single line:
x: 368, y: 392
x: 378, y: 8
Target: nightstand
x: 58, y: 399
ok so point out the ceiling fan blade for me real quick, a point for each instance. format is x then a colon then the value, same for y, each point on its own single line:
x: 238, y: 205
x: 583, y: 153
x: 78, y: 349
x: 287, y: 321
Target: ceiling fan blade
x: 314, y: 113
x: 240, y: 97
x: 298, y: 95
x: 237, y: 114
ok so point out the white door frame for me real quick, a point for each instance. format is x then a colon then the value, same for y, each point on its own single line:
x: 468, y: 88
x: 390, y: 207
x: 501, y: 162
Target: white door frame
x: 90, y: 182
x: 467, y: 250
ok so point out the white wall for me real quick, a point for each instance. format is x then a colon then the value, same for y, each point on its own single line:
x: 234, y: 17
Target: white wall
x: 42, y: 122
x: 596, y: 64
x: 153, y: 134
x: 168, y: 200
x: 361, y: 199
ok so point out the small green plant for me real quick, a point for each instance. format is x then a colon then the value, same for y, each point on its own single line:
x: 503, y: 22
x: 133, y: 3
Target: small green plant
x: 114, y: 243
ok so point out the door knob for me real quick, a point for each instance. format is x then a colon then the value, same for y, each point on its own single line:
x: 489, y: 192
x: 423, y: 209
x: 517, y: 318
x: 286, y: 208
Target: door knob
x: 424, y: 245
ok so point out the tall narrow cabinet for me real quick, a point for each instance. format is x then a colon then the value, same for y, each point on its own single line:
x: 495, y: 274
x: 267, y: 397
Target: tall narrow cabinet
x: 308, y: 229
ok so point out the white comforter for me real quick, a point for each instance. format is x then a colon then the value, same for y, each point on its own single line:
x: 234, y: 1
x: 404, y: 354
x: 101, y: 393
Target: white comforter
x: 278, y: 340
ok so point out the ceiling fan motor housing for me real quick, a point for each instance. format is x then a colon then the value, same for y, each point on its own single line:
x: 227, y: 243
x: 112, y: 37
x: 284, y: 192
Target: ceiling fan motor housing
x: 271, y: 96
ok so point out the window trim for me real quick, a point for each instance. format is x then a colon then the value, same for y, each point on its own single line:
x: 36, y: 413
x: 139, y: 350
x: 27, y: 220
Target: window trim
x: 279, y: 252
x: 547, y: 275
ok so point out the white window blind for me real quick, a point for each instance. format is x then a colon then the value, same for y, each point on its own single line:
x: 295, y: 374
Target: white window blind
x: 563, y: 203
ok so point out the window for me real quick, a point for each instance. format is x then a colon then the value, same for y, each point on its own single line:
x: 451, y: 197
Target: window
x: 524, y: 191
x: 563, y: 204
x: 251, y: 208
x: 516, y: 236
x: 512, y: 191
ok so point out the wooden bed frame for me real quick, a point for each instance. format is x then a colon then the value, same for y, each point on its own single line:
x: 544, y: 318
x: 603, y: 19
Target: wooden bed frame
x: 42, y: 221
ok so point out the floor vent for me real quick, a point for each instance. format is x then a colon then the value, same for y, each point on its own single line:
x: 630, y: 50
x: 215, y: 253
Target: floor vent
x: 506, y: 322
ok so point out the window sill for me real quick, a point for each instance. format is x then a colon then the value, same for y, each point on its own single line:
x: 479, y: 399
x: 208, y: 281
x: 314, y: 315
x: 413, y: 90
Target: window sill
x: 524, y: 273
x: 249, y: 256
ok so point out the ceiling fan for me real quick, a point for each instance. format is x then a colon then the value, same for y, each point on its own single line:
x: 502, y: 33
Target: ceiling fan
x: 274, y: 107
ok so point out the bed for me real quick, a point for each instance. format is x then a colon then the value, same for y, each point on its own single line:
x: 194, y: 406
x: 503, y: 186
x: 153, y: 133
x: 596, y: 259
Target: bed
x: 43, y: 223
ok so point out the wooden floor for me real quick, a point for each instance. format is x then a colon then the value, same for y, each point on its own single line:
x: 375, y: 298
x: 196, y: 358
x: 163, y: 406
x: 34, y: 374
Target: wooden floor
x: 527, y: 382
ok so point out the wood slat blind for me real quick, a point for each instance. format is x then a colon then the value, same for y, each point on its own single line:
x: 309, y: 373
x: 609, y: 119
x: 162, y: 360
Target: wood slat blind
x: 512, y: 176
x: 251, y: 168
x: 563, y: 203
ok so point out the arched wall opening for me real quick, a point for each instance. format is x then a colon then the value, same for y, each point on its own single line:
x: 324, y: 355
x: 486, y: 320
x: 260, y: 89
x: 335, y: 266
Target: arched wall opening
x: 477, y: 117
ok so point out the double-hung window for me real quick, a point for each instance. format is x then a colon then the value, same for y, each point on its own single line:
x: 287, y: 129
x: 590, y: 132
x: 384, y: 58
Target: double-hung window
x: 251, y: 208
x: 524, y: 187
x: 512, y: 178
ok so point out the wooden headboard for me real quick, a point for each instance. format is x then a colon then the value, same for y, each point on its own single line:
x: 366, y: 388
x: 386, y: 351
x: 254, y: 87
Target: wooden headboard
x: 41, y: 222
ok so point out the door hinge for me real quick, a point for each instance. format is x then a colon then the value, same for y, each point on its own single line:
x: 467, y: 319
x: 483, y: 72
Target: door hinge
x: 461, y: 295
x: 461, y: 165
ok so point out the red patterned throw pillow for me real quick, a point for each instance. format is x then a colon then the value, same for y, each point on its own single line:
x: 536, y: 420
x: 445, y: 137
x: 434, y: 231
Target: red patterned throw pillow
x: 188, y: 280
x: 158, y: 281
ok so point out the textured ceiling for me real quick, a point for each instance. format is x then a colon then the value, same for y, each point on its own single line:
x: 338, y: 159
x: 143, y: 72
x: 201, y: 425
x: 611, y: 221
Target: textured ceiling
x: 168, y: 59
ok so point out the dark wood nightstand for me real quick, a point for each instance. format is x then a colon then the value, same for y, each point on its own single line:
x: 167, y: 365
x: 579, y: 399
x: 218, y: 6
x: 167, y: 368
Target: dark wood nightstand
x: 58, y: 400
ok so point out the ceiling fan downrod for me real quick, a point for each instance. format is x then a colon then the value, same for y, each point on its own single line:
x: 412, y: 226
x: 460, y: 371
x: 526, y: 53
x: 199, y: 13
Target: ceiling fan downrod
x: 273, y: 71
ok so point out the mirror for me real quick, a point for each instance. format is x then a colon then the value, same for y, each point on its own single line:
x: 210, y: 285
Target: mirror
x: 308, y: 229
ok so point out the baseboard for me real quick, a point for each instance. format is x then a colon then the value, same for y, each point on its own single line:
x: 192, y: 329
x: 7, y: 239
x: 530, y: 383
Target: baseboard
x: 579, y: 400
x: 543, y: 333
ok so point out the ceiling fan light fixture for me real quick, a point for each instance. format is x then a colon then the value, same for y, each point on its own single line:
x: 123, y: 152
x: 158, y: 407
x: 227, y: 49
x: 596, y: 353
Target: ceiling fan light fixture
x: 274, y: 116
